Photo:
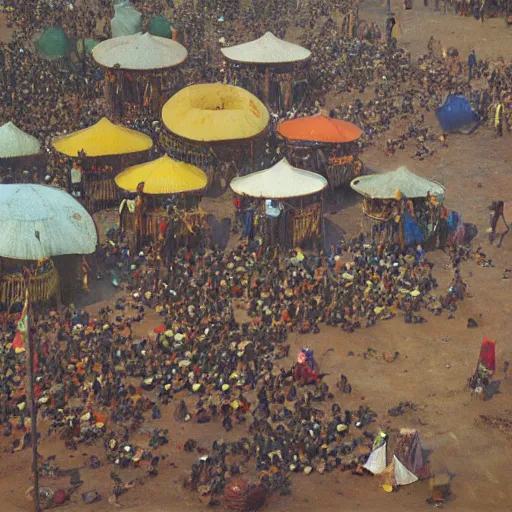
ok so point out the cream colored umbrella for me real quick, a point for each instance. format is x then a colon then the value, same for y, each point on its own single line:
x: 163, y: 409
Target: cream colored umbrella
x: 39, y: 222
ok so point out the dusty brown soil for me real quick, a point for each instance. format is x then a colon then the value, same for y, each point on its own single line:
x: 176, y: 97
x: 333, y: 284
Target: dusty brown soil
x: 489, y: 39
x: 5, y: 31
x: 429, y: 371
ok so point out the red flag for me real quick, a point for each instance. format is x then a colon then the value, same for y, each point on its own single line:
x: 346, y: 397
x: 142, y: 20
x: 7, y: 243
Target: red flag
x: 162, y: 226
x: 488, y: 356
x: 36, y: 362
x: 18, y: 341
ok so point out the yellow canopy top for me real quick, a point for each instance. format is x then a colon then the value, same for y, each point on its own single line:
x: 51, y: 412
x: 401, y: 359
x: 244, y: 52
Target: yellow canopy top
x: 214, y: 113
x: 103, y: 139
x: 163, y: 176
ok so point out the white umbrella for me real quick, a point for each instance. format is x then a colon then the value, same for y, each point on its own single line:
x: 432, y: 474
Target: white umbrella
x: 15, y: 143
x: 39, y: 222
x: 385, y: 186
x: 268, y: 49
x: 281, y: 181
x: 139, y: 52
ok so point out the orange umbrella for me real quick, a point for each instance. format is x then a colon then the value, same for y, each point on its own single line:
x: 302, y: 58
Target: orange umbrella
x: 319, y: 128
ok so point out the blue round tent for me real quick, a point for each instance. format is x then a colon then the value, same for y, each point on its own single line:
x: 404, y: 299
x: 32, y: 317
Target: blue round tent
x: 457, y: 116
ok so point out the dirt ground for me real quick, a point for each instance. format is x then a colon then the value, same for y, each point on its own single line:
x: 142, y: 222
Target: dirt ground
x: 489, y: 39
x: 5, y: 31
x: 434, y: 360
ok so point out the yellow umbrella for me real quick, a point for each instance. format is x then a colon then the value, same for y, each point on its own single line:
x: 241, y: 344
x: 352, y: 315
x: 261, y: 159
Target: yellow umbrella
x: 214, y: 113
x: 103, y: 139
x: 163, y: 176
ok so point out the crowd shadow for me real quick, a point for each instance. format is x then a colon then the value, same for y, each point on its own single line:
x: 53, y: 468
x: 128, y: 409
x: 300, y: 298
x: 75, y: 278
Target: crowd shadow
x: 340, y: 199
x: 219, y: 231
x: 333, y: 233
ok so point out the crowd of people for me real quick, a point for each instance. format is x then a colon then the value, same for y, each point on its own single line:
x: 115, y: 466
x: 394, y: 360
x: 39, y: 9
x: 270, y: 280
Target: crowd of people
x: 96, y: 380
x: 50, y: 98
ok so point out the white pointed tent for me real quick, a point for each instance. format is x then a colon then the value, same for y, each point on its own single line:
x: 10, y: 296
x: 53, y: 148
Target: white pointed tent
x: 281, y: 181
x: 385, y: 186
x: 139, y: 52
x: 376, y: 462
x: 396, y: 474
x: 268, y: 49
x: 15, y: 143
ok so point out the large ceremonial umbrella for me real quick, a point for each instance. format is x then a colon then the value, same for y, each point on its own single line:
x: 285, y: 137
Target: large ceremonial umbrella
x: 15, y: 143
x: 163, y: 176
x: 39, y: 222
x: 268, y: 49
x: 268, y: 52
x: 215, y: 113
x: 385, y: 186
x: 139, y: 52
x: 281, y: 181
x: 103, y: 139
x: 319, y: 128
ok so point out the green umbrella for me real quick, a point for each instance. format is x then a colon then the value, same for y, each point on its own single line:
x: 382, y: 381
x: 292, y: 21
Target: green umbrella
x: 54, y: 44
x: 159, y: 26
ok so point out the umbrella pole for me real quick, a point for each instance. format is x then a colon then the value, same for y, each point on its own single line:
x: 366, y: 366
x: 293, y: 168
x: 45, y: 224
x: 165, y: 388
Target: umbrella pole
x: 59, y: 297
x: 402, y: 233
x: 33, y: 410
x: 267, y: 85
x: 322, y: 241
x: 252, y: 155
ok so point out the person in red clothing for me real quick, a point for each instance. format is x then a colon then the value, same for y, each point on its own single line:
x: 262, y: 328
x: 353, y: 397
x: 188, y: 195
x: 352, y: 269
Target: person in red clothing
x: 237, y: 203
x: 304, y: 372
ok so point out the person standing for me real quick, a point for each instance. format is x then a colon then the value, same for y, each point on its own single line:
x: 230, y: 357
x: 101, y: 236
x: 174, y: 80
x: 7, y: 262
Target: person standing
x: 498, y: 230
x: 471, y: 63
x: 499, y: 118
x: 390, y: 23
x: 483, y: 8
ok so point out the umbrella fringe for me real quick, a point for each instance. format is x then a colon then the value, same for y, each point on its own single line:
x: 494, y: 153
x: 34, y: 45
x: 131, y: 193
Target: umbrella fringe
x: 42, y: 287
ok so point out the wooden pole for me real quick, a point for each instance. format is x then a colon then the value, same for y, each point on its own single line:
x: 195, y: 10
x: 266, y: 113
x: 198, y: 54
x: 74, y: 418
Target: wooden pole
x: 33, y: 410
x: 351, y: 23
x: 322, y: 217
x: 252, y: 156
x: 266, y: 91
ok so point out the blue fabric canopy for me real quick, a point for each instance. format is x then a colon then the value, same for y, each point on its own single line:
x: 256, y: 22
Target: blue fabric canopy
x: 457, y: 116
x: 412, y: 232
